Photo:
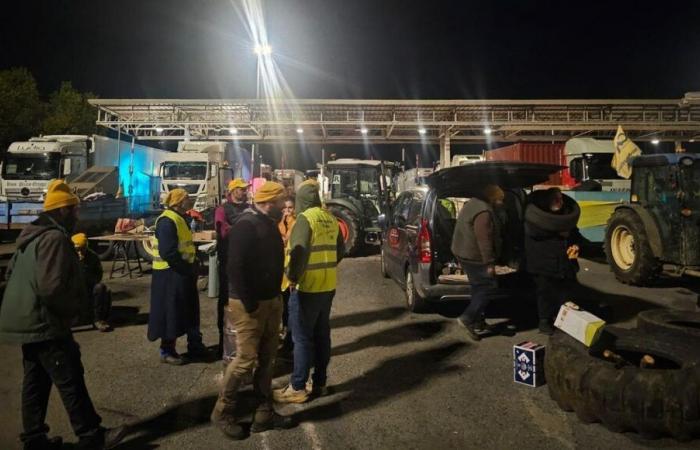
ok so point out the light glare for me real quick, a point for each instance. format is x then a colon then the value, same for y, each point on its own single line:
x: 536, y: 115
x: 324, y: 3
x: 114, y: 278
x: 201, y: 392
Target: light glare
x: 300, y: 130
x: 488, y: 131
x: 422, y: 131
x: 655, y: 141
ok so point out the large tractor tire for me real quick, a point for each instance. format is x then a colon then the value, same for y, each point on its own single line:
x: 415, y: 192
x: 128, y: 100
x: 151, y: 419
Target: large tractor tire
x: 654, y: 402
x: 681, y: 324
x: 350, y: 229
x: 103, y: 249
x: 145, y: 249
x: 628, y: 251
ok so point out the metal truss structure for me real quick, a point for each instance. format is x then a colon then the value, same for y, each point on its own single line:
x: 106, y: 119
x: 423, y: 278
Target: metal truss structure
x: 401, y: 121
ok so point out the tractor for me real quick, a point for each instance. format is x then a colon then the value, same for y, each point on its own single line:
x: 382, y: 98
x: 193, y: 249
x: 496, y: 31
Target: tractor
x: 659, y: 229
x: 357, y: 192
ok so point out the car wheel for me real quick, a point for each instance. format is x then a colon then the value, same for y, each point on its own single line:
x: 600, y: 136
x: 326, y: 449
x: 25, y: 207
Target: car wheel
x: 628, y: 251
x: 414, y: 302
x: 385, y: 274
x: 653, y: 401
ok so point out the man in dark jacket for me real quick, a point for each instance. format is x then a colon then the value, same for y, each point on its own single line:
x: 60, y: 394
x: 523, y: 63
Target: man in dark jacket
x: 551, y: 250
x: 225, y: 217
x: 477, y: 243
x: 44, y: 294
x: 99, y: 294
x: 174, y: 295
x: 255, y: 265
x: 316, y: 247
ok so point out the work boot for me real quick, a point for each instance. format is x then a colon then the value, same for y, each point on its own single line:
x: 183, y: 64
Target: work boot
x: 316, y: 391
x: 102, y: 326
x: 54, y: 443
x: 290, y: 395
x: 481, y: 326
x: 172, y: 358
x: 471, y: 330
x: 197, y: 350
x: 223, y: 418
x: 546, y: 327
x: 113, y: 436
x: 269, y: 420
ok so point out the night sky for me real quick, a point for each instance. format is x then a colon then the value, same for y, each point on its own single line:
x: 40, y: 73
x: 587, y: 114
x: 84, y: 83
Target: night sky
x: 360, y: 48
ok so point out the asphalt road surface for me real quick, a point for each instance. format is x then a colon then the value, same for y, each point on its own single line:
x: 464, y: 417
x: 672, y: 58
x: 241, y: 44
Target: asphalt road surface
x: 400, y: 380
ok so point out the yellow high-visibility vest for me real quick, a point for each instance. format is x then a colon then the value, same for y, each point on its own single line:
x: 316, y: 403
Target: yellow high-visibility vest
x: 320, y: 274
x: 185, y: 245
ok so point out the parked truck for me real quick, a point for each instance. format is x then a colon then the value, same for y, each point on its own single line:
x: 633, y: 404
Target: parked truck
x: 586, y: 176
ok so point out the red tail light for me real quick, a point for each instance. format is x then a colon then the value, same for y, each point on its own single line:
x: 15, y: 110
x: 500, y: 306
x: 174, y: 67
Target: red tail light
x: 425, y: 252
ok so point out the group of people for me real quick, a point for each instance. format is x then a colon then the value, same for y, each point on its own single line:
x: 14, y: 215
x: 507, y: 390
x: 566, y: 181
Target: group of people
x: 277, y: 269
x: 277, y: 260
x: 490, y: 225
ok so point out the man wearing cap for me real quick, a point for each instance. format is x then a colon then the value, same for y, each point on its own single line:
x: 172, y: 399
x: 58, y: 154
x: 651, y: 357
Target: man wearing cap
x: 44, y: 293
x: 174, y: 296
x: 477, y: 243
x: 255, y: 265
x: 315, y: 248
x: 224, y: 218
x: 97, y: 291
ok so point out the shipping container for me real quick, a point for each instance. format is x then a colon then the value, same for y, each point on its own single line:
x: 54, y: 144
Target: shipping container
x: 535, y: 152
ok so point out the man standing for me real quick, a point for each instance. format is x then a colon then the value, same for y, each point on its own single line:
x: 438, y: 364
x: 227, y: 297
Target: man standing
x: 97, y: 291
x: 255, y: 267
x: 174, y: 296
x: 43, y: 297
x: 477, y: 243
x: 289, y: 218
x: 225, y: 217
x: 315, y: 249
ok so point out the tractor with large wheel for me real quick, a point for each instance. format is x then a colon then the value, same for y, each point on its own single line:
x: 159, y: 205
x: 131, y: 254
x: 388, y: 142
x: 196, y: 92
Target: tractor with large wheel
x: 358, y: 191
x: 659, y: 229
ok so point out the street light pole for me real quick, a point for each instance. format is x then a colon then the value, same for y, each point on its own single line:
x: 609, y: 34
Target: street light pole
x: 260, y: 51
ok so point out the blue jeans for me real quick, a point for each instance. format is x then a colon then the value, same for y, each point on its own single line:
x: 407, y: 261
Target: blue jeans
x: 484, y: 288
x: 309, y: 319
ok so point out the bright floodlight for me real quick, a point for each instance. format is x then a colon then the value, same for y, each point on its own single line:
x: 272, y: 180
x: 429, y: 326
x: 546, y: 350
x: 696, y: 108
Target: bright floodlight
x: 300, y: 130
x: 422, y: 131
x: 488, y: 131
x: 262, y: 49
x: 233, y: 131
x: 159, y: 130
x: 655, y: 141
x: 364, y: 130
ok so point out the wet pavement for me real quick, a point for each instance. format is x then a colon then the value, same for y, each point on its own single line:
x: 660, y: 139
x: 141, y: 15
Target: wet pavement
x: 400, y: 380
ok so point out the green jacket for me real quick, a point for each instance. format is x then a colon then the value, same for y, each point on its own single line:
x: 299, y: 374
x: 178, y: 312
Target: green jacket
x: 45, y: 288
x: 300, y: 239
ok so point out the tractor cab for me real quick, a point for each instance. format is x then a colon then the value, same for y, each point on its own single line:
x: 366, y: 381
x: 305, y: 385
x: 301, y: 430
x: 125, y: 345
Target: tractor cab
x: 660, y: 228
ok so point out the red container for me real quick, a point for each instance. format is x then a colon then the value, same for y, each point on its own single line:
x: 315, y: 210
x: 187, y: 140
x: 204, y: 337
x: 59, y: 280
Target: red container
x: 535, y: 152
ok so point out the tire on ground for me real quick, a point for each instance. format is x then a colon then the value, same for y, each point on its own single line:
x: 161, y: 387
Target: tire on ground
x: 352, y: 225
x: 382, y: 263
x: 103, y: 249
x: 682, y: 324
x: 645, y: 268
x: 652, y: 402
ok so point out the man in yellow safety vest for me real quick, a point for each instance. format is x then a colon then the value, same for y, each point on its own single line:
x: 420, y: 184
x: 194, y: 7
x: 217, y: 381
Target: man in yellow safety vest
x: 315, y: 249
x: 174, y: 296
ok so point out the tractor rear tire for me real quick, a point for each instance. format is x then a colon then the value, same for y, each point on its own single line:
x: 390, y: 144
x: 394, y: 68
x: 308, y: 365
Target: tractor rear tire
x: 628, y: 251
x: 653, y: 402
x: 145, y: 249
x: 350, y: 228
x: 682, y: 324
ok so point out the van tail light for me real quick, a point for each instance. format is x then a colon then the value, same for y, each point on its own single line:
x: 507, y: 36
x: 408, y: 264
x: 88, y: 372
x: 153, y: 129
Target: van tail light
x: 686, y: 212
x: 425, y: 252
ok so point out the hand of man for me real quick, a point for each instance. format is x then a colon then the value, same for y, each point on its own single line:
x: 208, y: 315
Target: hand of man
x: 572, y: 252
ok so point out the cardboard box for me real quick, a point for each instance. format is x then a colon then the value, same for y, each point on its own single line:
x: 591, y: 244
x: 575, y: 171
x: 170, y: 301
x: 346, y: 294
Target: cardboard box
x: 581, y: 325
x: 528, y: 364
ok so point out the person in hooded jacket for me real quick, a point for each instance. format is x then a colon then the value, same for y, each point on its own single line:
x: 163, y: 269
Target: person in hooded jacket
x: 44, y: 296
x: 551, y: 250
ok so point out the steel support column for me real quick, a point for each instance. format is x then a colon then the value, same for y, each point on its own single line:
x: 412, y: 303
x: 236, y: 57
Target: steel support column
x: 445, y: 154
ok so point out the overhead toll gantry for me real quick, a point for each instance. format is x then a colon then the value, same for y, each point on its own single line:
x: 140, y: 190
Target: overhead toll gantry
x: 334, y: 121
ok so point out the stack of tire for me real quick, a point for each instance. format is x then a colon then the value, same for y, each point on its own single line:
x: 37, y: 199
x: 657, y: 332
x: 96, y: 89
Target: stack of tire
x: 656, y: 401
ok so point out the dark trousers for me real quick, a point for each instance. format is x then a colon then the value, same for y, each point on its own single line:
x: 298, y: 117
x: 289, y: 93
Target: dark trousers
x: 101, y: 301
x: 484, y: 288
x: 56, y: 362
x: 221, y: 303
x: 551, y: 294
x: 309, y: 319
x: 287, y: 343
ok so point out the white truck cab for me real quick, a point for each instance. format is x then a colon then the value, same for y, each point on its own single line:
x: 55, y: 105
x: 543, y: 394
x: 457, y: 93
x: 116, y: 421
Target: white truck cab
x: 29, y: 166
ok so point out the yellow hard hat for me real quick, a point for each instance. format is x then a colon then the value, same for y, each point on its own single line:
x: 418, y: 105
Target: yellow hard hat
x: 237, y: 183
